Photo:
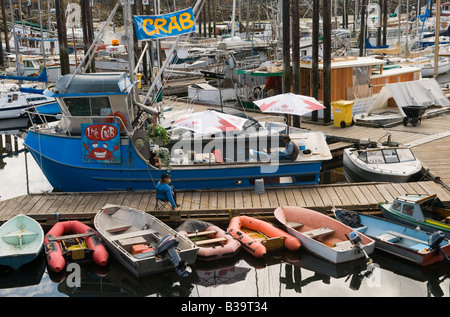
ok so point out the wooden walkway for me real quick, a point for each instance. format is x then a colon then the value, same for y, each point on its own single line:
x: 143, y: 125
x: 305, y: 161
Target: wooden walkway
x: 46, y: 208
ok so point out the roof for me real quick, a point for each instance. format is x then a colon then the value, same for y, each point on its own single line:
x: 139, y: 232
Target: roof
x: 93, y: 83
x: 348, y: 62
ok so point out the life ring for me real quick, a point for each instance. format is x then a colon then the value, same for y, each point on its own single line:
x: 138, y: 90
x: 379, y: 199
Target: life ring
x: 118, y: 114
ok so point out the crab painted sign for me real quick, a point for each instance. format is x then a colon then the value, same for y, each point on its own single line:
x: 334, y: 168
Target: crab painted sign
x: 100, y: 143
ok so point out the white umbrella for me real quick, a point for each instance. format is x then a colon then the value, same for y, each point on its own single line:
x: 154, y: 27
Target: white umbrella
x: 210, y: 121
x: 289, y: 104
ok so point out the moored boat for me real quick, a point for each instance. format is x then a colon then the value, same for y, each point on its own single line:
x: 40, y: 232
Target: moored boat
x: 324, y: 236
x: 21, y: 241
x: 424, y: 211
x: 258, y: 237
x: 213, y: 242
x: 142, y: 243
x: 382, y: 164
x: 404, y: 242
x: 72, y: 241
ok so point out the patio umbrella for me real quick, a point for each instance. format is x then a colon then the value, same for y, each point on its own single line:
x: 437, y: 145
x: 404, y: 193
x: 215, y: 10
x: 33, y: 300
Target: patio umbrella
x: 210, y: 121
x: 289, y: 103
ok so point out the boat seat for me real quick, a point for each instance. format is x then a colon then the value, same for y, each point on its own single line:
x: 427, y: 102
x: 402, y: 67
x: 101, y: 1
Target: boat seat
x: 201, y: 233
x: 18, y: 237
x: 294, y: 225
x: 202, y: 242
x: 313, y: 234
x: 118, y: 228
x: 273, y: 243
x: 404, y: 236
x: 133, y: 234
x: 129, y: 242
x: 387, y: 237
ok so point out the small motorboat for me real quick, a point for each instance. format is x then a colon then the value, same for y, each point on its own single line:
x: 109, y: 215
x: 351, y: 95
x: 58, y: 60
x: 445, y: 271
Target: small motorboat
x: 424, y: 211
x: 416, y: 246
x: 143, y: 243
x: 324, y: 236
x: 73, y: 241
x: 14, y: 104
x: 258, y: 237
x: 22, y: 239
x: 380, y: 164
x: 213, y: 242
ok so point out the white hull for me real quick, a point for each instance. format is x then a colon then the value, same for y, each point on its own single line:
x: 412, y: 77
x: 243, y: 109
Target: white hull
x: 356, y: 170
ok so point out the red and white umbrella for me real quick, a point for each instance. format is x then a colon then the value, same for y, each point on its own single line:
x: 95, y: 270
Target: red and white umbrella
x: 210, y: 121
x: 289, y: 104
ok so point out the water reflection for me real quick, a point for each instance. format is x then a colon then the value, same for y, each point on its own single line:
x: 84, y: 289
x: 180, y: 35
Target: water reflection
x: 19, y: 172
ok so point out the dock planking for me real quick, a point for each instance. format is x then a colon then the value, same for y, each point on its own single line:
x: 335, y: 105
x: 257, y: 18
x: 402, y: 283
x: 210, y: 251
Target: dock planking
x: 359, y: 196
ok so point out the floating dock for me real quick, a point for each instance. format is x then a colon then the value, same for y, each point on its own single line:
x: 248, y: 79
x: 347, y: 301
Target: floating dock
x: 217, y: 204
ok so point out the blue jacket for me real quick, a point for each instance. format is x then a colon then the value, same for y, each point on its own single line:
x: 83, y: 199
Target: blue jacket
x: 164, y: 192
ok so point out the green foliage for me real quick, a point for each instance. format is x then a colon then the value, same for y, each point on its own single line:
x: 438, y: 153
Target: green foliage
x: 158, y: 135
x: 164, y: 156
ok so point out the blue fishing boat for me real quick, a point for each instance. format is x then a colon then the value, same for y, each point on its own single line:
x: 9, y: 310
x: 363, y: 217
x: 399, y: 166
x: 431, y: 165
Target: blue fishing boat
x: 407, y: 243
x: 101, y: 143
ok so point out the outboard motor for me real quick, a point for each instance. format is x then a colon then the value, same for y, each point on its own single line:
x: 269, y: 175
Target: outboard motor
x: 434, y: 241
x: 168, y: 244
x: 356, y: 240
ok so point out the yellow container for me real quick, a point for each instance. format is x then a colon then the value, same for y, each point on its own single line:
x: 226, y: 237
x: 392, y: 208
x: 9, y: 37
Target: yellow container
x: 342, y: 113
x: 139, y: 78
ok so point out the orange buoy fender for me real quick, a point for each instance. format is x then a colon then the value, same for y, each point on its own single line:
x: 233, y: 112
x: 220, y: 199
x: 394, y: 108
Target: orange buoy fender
x: 118, y: 114
x: 252, y: 246
x: 100, y: 255
x: 290, y: 242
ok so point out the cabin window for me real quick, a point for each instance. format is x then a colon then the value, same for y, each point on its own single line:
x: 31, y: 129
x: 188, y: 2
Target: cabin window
x: 405, y: 155
x: 396, y: 205
x: 95, y: 106
x: 408, y: 209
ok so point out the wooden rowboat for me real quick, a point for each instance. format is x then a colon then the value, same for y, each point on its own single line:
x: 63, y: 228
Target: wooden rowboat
x: 21, y: 241
x: 324, y: 236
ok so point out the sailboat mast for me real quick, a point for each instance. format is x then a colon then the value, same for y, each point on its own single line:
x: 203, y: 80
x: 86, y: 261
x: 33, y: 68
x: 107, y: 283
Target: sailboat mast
x: 42, y: 38
x: 436, y: 38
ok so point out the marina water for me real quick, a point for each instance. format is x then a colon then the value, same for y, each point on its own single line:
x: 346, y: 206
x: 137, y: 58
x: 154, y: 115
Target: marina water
x: 281, y: 274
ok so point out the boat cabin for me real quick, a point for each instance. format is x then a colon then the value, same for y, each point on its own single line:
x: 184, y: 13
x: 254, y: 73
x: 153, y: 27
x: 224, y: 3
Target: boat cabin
x: 420, y: 207
x: 93, y: 98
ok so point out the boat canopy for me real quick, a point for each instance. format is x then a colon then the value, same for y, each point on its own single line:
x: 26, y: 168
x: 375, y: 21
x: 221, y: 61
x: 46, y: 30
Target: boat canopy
x: 95, y: 83
x: 424, y: 92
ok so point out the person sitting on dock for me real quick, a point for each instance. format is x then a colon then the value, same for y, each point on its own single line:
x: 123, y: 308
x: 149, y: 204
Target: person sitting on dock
x: 165, y: 192
x: 291, y: 151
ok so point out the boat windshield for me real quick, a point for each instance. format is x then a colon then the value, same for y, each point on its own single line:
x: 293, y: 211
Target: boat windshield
x: 388, y: 156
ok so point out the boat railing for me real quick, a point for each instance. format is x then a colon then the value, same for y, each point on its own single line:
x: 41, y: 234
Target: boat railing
x: 46, y: 119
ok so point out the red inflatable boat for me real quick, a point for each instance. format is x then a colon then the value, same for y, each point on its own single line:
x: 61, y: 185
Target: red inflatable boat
x: 258, y: 236
x: 87, y: 242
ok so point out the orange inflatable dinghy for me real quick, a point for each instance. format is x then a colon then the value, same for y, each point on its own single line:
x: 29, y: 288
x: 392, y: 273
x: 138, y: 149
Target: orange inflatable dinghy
x: 218, y: 245
x: 57, y: 248
x: 267, y: 236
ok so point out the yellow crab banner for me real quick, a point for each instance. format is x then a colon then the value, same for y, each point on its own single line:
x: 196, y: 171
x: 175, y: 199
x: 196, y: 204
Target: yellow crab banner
x: 165, y: 25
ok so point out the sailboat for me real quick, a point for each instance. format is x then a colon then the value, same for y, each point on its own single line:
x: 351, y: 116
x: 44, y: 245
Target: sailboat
x: 101, y: 143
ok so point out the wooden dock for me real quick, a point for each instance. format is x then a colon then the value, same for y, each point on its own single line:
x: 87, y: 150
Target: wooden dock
x: 218, y: 204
